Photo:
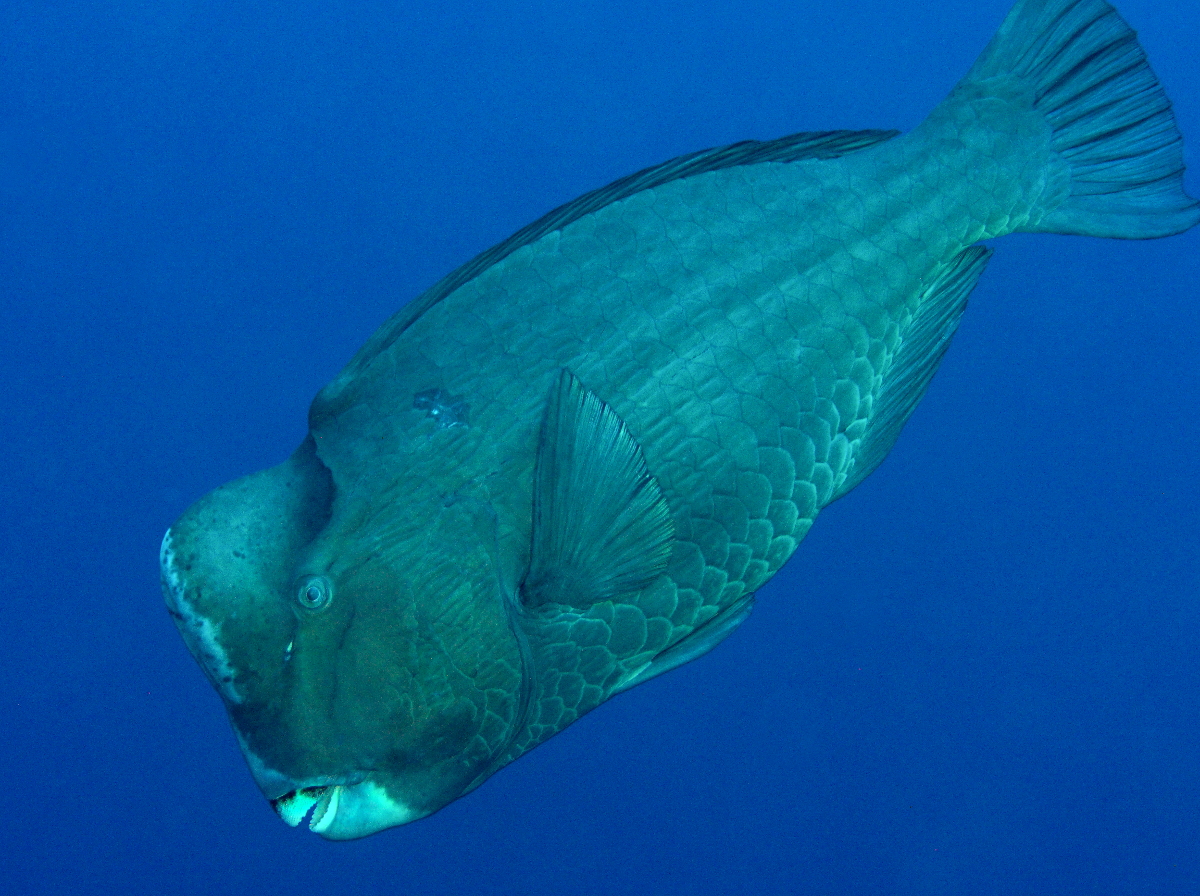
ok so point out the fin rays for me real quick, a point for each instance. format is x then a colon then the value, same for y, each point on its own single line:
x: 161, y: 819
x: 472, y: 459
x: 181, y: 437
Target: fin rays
x: 601, y: 526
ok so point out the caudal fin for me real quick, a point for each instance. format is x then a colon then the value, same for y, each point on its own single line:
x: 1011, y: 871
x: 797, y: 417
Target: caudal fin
x: 1111, y: 122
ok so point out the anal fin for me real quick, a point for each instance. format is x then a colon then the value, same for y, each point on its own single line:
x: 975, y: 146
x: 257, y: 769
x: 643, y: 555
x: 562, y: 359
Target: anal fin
x: 912, y: 368
x: 601, y: 526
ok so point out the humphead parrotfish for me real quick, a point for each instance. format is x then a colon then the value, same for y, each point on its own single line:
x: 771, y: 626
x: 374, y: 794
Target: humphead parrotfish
x: 567, y: 467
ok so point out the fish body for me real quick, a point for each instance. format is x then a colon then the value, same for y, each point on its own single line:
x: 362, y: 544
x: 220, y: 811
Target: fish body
x: 567, y: 467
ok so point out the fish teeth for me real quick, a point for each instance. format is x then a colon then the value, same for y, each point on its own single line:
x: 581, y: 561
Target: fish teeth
x: 293, y: 806
x: 326, y: 810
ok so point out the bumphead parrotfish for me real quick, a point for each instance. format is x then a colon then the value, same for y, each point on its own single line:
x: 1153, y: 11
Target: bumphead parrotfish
x: 566, y: 468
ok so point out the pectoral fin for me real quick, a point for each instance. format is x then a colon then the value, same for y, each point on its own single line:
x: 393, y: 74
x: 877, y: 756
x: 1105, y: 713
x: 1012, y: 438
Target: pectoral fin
x: 601, y: 526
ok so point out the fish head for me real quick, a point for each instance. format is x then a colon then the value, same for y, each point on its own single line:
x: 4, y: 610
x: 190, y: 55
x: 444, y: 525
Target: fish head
x: 363, y: 649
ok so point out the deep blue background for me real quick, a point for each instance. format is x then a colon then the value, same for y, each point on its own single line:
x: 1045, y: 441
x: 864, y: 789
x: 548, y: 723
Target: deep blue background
x: 980, y: 673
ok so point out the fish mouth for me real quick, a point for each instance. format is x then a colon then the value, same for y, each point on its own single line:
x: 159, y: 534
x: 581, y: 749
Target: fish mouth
x: 313, y: 802
x: 344, y: 811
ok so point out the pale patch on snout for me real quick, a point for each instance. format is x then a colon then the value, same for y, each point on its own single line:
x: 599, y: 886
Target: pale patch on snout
x: 200, y: 633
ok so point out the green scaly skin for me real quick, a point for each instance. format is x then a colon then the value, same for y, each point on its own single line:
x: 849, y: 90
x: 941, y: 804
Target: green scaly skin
x: 742, y: 323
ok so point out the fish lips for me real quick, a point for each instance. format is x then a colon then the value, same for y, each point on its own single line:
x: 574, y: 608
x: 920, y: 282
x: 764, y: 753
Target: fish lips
x: 343, y: 811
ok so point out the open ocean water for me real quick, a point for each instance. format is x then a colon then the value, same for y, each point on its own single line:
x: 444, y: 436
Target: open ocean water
x: 979, y: 674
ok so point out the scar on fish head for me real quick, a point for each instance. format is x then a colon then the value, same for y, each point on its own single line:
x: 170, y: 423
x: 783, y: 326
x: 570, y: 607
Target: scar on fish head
x: 443, y: 408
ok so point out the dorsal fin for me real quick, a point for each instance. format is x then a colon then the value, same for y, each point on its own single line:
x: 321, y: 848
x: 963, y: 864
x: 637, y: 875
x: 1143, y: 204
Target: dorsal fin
x: 914, y: 364
x: 793, y: 148
x: 601, y: 526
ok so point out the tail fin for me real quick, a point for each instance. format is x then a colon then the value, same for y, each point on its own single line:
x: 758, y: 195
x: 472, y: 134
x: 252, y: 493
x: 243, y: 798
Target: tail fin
x: 1111, y: 122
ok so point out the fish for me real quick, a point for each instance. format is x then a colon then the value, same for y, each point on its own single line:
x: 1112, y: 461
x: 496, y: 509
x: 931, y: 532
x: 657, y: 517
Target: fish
x: 568, y: 466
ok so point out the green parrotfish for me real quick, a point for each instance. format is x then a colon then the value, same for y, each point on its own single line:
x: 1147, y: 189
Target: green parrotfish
x: 567, y: 467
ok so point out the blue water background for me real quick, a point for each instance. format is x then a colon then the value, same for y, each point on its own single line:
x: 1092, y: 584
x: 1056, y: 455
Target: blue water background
x: 979, y: 674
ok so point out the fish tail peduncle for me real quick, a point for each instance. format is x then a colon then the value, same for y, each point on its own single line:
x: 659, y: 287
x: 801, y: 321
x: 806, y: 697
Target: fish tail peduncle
x: 1063, y: 110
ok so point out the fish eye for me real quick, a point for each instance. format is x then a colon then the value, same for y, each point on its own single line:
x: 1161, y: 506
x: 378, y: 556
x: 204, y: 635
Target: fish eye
x: 314, y: 592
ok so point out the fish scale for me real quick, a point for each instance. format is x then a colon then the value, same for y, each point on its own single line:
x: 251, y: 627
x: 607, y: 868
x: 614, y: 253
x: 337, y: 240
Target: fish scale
x: 720, y: 444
